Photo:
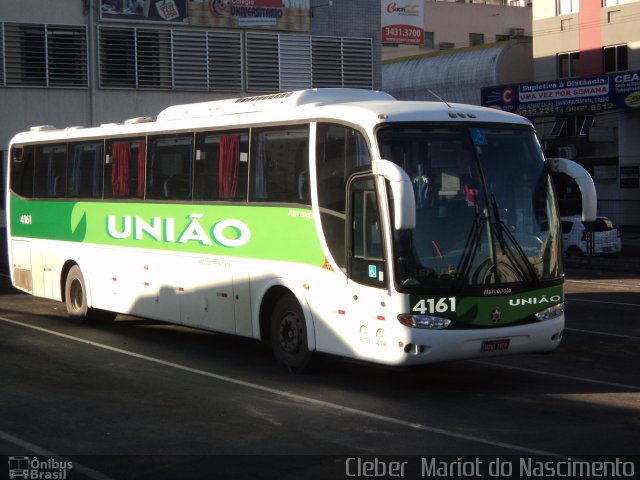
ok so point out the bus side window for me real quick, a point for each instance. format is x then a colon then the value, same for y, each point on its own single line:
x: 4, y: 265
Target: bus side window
x: 22, y: 170
x: 50, y: 171
x: 280, y: 159
x: 124, y: 168
x: 220, y: 167
x: 169, y: 166
x: 84, y: 170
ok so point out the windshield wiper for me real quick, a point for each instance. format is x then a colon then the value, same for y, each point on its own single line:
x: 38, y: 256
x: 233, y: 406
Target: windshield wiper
x: 501, y: 229
x: 470, y: 248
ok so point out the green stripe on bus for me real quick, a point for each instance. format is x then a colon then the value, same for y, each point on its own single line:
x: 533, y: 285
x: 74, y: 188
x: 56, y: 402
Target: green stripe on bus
x: 488, y: 311
x: 259, y: 232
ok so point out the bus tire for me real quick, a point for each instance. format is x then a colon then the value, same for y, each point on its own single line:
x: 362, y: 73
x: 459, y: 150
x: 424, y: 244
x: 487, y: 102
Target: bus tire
x: 75, y: 299
x: 288, y: 334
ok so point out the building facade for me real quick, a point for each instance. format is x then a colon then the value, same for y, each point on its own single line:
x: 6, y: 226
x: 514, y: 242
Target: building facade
x: 467, y: 45
x: 585, y: 98
x: 594, y: 46
x: 453, y: 24
x: 89, y: 62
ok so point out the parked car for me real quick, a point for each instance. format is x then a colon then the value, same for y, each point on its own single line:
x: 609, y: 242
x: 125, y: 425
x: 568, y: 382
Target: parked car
x: 576, y: 236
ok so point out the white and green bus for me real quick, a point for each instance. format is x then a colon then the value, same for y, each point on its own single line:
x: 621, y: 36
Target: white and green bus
x: 330, y: 220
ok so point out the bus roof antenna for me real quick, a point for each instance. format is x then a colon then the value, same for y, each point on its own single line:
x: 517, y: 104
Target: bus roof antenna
x: 439, y: 98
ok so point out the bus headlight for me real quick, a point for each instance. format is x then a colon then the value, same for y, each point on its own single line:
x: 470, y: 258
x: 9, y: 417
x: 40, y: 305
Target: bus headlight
x: 551, y: 312
x: 424, y: 321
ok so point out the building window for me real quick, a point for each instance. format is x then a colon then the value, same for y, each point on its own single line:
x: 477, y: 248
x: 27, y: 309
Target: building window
x: 165, y: 59
x: 584, y: 125
x: 295, y: 62
x: 1, y: 55
x: 558, y: 127
x: 66, y: 56
x: 564, y: 7
x: 568, y: 64
x: 614, y: 16
x: 153, y: 58
x: 341, y: 62
x: 610, y: 3
x: 615, y: 58
x: 357, y: 63
x: 44, y: 55
x: 225, y: 61
x: 117, y: 57
x: 572, y: 126
x: 476, y: 38
x: 190, y: 50
x: 262, y: 62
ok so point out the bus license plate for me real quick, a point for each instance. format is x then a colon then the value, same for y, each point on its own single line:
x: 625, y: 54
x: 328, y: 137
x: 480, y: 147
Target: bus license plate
x: 495, y: 345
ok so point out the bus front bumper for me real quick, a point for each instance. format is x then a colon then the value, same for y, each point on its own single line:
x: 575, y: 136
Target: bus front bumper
x: 427, y: 346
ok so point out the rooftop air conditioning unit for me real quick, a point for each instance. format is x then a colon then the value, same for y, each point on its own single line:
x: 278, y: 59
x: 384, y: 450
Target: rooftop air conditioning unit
x: 445, y: 45
x: 516, y: 32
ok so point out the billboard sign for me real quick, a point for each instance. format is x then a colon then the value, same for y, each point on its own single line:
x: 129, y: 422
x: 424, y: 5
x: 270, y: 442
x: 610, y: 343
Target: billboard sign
x: 285, y: 15
x: 402, y: 21
x: 162, y: 11
x: 566, y: 97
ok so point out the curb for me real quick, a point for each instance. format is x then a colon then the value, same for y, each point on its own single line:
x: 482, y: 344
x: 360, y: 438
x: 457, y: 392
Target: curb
x: 607, y: 264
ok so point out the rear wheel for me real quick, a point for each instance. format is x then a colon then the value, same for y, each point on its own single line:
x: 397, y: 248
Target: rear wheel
x: 289, y: 335
x: 75, y: 297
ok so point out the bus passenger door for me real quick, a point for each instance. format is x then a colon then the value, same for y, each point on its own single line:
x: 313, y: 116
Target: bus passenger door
x: 367, y: 286
x: 365, y: 256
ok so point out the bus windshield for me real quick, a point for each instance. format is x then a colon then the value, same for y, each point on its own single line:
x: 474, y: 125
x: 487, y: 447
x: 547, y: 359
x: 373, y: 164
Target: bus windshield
x: 485, y: 207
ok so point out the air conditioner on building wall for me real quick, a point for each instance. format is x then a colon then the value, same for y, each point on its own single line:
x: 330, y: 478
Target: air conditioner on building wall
x: 568, y: 151
x: 516, y: 32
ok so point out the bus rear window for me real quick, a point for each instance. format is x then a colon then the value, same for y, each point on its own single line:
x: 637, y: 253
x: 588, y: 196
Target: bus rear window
x: 22, y: 171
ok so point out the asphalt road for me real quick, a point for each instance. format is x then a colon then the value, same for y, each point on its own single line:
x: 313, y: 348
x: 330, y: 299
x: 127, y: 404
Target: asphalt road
x: 141, y: 399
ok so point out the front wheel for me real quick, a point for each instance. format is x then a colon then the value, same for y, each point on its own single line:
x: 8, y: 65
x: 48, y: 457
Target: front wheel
x: 75, y: 299
x: 289, y: 335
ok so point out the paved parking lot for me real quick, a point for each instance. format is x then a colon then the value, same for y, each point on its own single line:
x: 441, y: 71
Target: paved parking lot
x: 142, y: 399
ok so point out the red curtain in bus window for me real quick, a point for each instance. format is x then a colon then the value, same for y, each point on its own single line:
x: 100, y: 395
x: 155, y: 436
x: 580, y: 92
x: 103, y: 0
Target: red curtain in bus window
x: 141, y: 157
x: 120, y: 169
x: 229, y: 165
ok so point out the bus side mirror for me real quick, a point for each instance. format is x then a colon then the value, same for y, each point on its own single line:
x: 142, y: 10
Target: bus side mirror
x: 404, y: 202
x: 584, y: 181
